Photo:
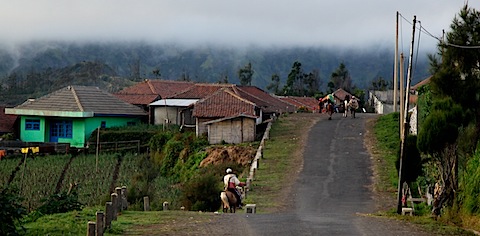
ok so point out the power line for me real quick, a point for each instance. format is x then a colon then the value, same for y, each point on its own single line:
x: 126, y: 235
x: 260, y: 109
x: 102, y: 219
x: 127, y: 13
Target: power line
x: 424, y: 30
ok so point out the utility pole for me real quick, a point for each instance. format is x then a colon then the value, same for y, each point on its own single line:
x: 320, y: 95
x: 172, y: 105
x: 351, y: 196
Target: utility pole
x: 402, y: 93
x: 395, y: 70
x: 404, y: 118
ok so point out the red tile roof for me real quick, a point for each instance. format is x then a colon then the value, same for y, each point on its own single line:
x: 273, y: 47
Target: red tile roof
x: 199, y: 91
x: 223, y: 103
x: 264, y: 100
x: 423, y: 82
x: 138, y: 99
x: 147, y: 88
x: 308, y: 102
x: 6, y: 121
x: 340, y: 94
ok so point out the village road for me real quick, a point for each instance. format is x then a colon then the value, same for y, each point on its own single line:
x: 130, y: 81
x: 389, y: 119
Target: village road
x: 332, y: 195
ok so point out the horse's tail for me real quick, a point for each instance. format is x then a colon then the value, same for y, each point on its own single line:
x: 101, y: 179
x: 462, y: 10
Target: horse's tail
x: 223, y: 196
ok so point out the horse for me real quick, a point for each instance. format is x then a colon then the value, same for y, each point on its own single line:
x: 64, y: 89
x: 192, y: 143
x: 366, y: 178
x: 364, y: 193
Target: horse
x: 228, y: 201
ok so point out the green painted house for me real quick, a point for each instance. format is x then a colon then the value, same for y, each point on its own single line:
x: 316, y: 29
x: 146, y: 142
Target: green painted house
x: 71, y: 114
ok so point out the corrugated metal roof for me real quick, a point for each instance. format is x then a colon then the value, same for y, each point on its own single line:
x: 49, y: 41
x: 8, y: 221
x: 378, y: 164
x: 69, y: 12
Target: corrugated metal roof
x: 174, y: 102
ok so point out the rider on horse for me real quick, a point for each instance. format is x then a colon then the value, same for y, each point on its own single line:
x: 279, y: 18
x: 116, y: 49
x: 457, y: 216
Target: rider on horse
x: 231, y: 182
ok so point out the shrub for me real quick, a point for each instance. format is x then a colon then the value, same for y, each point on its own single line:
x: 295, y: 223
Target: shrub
x: 60, y: 203
x: 412, y: 164
x: 202, y: 193
x: 12, y: 211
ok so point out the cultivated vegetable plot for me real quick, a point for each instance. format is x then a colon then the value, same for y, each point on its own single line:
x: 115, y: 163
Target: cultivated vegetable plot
x: 6, y: 168
x: 130, y: 167
x: 38, y: 177
x: 93, y: 186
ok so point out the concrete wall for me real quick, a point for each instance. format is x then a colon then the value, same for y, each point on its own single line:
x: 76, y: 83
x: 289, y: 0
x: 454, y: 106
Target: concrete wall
x: 171, y: 113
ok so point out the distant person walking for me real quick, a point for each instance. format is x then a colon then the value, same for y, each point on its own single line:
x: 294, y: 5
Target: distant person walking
x: 353, y: 105
x: 345, y: 105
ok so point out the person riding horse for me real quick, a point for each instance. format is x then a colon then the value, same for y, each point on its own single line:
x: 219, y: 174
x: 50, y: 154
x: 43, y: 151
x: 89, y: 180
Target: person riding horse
x: 231, y: 182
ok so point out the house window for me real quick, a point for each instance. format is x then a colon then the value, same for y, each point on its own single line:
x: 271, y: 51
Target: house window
x: 62, y: 129
x: 32, y: 124
x: 131, y: 123
x: 103, y: 125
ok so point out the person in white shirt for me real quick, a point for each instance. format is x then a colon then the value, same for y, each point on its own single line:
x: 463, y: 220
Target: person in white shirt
x: 353, y: 104
x: 231, y: 182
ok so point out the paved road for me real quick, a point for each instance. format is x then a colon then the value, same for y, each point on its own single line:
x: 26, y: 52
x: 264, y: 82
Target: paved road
x: 332, y: 194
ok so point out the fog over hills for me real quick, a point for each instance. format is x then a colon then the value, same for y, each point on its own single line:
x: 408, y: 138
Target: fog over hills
x: 205, y: 63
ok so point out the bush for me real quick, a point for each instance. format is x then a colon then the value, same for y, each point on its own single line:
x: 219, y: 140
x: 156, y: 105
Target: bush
x: 12, y: 211
x: 202, y: 193
x: 60, y: 203
x: 412, y: 164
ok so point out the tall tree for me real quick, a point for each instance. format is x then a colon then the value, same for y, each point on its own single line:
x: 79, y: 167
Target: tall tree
x: 380, y: 84
x: 455, y: 90
x: 274, y: 86
x: 312, y: 82
x: 245, y: 74
x: 295, y: 81
x: 341, y: 78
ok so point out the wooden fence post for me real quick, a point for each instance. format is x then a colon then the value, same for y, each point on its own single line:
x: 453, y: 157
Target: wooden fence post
x: 146, y: 203
x: 118, y: 190
x: 124, y: 198
x: 114, y: 198
x: 108, y: 214
x: 99, y: 223
x: 91, y: 228
x: 165, y: 206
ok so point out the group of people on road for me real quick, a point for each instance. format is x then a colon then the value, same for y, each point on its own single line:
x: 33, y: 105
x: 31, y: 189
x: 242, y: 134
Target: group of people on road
x: 327, y: 105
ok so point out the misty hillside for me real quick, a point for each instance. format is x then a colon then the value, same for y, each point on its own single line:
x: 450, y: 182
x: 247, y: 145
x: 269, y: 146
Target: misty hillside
x: 51, y: 66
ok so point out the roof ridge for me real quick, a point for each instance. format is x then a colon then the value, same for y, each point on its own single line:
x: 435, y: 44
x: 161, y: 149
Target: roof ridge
x: 77, y: 100
x: 237, y: 96
x: 152, y: 88
x: 237, y: 88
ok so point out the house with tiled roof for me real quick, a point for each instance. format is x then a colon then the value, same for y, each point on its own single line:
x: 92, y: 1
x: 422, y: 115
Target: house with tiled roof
x: 200, y: 90
x: 340, y: 95
x: 151, y: 90
x: 7, y: 122
x: 269, y: 104
x: 71, y: 114
x: 301, y: 103
x: 226, y: 117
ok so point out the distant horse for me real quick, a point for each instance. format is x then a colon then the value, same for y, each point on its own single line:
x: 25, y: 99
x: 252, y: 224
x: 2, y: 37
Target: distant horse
x: 330, y: 110
x: 228, y: 201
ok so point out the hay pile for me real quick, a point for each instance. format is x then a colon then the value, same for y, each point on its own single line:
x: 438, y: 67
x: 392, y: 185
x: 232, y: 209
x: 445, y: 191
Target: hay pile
x: 225, y: 154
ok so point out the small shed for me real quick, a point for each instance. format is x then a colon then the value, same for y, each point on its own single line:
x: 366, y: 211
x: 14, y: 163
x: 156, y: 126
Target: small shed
x: 235, y: 129
x: 173, y: 111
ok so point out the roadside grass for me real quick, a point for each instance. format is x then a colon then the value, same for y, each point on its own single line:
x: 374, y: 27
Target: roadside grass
x: 140, y: 222
x: 278, y: 166
x: 70, y: 223
x: 386, y: 147
x: 387, y: 143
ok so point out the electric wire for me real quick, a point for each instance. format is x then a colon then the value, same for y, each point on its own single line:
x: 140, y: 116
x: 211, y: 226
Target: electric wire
x: 442, y: 42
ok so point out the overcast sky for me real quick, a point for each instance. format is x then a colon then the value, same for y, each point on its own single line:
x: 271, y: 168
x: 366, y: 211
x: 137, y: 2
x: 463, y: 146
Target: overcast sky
x: 226, y: 22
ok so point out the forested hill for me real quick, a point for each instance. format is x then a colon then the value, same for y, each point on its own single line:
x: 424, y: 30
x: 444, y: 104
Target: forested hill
x: 39, y: 68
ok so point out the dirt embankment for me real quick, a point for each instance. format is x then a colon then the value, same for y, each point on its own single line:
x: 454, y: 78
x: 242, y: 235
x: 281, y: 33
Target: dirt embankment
x: 217, y: 155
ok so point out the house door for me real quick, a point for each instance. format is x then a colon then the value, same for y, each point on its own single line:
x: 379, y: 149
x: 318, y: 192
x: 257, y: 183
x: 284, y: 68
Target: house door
x: 60, y: 129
